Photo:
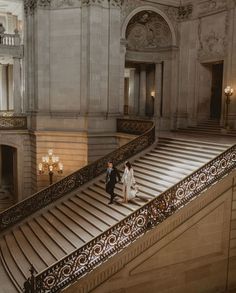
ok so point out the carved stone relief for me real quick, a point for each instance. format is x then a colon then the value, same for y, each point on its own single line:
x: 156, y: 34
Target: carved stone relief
x: 148, y: 31
x: 212, y: 37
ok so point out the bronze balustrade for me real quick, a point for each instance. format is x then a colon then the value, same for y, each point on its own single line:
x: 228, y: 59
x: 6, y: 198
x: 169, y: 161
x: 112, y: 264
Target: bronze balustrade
x: 13, y: 122
x: 116, y: 238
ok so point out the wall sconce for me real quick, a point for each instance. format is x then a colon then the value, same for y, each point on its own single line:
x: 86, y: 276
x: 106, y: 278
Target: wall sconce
x: 228, y: 93
x: 50, y: 164
x: 153, y: 94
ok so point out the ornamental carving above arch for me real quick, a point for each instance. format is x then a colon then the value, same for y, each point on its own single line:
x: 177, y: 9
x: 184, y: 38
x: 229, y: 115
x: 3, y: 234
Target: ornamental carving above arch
x: 148, y: 31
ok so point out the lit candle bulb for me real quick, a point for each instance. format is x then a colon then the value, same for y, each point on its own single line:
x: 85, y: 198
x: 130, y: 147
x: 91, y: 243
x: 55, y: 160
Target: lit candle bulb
x: 60, y: 166
x: 50, y: 168
x: 50, y: 152
x: 40, y: 167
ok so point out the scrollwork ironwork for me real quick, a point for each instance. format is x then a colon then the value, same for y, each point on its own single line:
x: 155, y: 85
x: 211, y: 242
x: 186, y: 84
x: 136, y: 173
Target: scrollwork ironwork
x: 13, y: 122
x: 92, y: 254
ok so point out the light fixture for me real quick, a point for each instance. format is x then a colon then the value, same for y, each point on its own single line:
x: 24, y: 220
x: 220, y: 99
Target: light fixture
x: 228, y: 93
x: 153, y: 94
x: 50, y: 164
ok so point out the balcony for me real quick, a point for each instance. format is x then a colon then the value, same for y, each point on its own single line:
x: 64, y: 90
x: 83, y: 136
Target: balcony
x: 13, y: 122
x: 10, y: 45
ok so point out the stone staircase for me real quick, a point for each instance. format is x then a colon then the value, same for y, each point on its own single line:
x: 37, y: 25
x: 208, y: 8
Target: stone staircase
x: 208, y: 127
x: 61, y: 228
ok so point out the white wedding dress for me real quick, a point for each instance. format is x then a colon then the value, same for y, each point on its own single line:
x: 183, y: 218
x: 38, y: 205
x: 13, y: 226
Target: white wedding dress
x: 128, y: 181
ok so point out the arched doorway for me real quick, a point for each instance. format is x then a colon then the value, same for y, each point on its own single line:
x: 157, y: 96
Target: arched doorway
x: 8, y: 176
x: 147, y: 35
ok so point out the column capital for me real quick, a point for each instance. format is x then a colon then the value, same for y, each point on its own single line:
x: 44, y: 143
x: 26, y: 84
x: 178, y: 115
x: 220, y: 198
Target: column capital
x: 31, y: 5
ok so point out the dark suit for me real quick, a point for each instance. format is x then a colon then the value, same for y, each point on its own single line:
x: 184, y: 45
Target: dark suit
x: 112, y: 178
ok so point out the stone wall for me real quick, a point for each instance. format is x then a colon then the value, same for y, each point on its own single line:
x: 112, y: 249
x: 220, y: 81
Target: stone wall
x: 188, y: 252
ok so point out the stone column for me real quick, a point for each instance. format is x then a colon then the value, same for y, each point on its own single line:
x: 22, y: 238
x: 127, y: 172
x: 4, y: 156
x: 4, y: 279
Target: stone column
x: 114, y: 56
x: 142, y: 90
x: 131, y: 91
x: 158, y: 90
x: 17, y: 85
x: 3, y: 88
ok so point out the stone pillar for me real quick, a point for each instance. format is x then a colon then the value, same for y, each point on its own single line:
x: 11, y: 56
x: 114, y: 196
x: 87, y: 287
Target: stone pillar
x: 113, y: 56
x: 17, y: 85
x: 142, y: 90
x: 3, y: 88
x: 158, y: 90
x: 123, y: 44
x: 131, y: 91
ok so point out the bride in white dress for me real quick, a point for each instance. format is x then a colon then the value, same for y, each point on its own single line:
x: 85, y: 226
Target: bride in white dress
x: 129, y: 183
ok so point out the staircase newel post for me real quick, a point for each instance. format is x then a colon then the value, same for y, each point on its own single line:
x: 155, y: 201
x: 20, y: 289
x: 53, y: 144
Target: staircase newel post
x: 30, y: 284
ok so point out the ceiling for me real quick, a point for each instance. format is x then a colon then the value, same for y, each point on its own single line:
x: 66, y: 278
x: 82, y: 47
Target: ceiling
x: 13, y: 6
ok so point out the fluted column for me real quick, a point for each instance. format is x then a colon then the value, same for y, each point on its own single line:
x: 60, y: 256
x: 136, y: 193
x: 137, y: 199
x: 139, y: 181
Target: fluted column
x: 17, y: 85
x: 3, y: 88
x: 131, y: 91
x: 158, y: 90
x: 142, y: 90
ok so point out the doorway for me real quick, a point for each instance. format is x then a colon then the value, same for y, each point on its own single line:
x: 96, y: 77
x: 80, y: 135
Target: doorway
x: 8, y: 172
x: 216, y: 91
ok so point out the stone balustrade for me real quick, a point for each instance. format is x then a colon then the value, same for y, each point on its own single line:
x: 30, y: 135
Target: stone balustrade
x: 10, y: 45
x: 10, y: 39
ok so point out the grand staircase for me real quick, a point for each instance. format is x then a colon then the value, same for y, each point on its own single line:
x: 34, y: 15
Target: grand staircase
x: 66, y: 225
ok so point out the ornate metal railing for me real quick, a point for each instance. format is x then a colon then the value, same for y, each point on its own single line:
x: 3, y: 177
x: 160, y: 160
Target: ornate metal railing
x: 13, y: 122
x: 43, y: 198
x: 116, y: 238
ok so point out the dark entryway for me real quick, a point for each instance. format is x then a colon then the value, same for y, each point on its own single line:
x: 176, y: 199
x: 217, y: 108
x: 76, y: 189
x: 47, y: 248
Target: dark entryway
x: 216, y: 90
x: 8, y: 169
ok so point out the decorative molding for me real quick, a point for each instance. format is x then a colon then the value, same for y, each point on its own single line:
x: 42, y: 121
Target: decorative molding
x: 31, y: 5
x: 148, y: 31
x: 116, y: 3
x: 184, y: 12
x: 211, y: 6
x: 65, y: 3
x: 93, y: 2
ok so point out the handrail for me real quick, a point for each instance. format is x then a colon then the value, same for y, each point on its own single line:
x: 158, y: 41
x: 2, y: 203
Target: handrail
x: 13, y: 122
x: 88, y: 257
x: 52, y: 193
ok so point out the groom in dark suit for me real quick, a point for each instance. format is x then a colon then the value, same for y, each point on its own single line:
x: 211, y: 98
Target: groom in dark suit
x: 112, y: 177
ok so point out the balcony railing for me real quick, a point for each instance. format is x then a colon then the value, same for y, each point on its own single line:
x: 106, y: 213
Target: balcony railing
x: 13, y: 122
x: 10, y: 45
x: 10, y: 39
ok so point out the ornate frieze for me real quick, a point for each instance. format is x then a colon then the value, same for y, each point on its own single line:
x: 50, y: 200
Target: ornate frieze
x: 90, y: 2
x: 65, y: 3
x: 148, y: 31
